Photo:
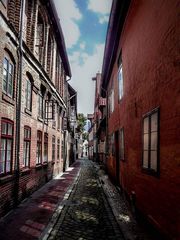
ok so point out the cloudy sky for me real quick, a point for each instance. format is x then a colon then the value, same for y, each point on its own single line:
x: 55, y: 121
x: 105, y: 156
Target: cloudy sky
x: 84, y: 24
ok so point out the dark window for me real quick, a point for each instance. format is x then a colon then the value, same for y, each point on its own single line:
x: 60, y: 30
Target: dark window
x: 150, y: 141
x: 45, y: 147
x: 27, y: 146
x: 62, y: 149
x: 121, y: 140
x: 53, y: 148
x: 49, y: 109
x: 6, y: 146
x: 8, y: 70
x: 40, y: 105
x: 58, y: 149
x: 28, y: 94
x: 39, y: 148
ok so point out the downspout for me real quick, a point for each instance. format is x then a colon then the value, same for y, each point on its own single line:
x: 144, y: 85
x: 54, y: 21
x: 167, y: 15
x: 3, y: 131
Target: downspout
x: 65, y: 131
x: 18, y: 103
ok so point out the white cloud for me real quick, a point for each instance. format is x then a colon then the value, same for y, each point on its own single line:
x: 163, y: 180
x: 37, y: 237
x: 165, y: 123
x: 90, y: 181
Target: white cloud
x: 82, y: 45
x: 68, y: 13
x: 82, y: 77
x: 103, y: 19
x: 100, y: 6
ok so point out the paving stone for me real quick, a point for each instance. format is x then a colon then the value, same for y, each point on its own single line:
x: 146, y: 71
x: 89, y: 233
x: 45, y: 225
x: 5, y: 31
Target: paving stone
x: 86, y: 214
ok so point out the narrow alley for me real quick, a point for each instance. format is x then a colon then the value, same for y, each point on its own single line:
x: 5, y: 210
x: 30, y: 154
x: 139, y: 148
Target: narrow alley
x: 87, y: 214
x: 89, y: 120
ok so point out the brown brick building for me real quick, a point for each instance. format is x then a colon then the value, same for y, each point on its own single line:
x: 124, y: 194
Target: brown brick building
x: 33, y: 96
x: 141, y: 76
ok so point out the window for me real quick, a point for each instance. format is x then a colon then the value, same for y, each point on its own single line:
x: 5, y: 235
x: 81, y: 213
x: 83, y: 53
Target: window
x: 121, y: 140
x: 45, y: 147
x: 39, y: 41
x: 8, y: 69
x: 39, y: 148
x: 62, y: 149
x: 120, y: 82
x: 53, y: 147
x: 6, y: 146
x: 58, y: 149
x: 27, y: 144
x: 40, y: 105
x: 111, y: 101
x: 28, y: 94
x: 150, y: 141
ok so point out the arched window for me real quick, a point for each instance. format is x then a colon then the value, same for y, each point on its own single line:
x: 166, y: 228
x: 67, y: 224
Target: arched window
x: 39, y: 42
x: 50, y: 55
x: 39, y: 148
x: 8, y: 76
x: 27, y: 145
x: 53, y: 147
x: 28, y: 92
x: 6, y: 149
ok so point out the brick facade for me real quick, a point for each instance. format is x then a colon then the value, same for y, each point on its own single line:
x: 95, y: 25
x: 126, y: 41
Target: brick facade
x: 148, y: 46
x: 15, y: 186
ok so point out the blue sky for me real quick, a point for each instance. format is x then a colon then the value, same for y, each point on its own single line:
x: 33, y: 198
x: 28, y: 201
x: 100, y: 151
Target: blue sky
x: 84, y: 24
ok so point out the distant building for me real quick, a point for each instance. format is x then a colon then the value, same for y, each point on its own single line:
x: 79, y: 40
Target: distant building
x: 140, y: 80
x: 33, y: 98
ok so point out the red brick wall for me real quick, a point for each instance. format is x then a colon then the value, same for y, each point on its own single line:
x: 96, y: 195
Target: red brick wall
x: 29, y: 179
x: 151, y: 79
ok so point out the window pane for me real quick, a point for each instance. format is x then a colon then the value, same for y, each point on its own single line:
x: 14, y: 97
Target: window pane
x: 10, y: 129
x: 1, y: 167
x: 146, y: 125
x: 145, y: 159
x: 3, y: 152
x: 8, y: 166
x: 5, y: 63
x: 146, y: 141
x: 9, y: 144
x: 153, y: 160
x: 154, y: 141
x: 11, y: 69
x: 24, y: 154
x: 154, y: 122
x: 3, y: 144
x: 8, y: 155
x: 4, y: 128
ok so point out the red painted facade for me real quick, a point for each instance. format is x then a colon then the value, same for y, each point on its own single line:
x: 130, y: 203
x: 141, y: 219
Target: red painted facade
x: 149, y: 49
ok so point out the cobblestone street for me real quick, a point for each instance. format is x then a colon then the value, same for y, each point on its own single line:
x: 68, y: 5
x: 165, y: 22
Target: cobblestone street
x: 86, y: 213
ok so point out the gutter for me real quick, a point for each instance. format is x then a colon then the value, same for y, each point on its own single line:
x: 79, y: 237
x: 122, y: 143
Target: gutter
x: 18, y: 106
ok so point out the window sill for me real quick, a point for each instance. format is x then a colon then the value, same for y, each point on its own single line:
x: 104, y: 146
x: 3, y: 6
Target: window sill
x: 151, y: 172
x: 6, y: 179
x: 40, y: 119
x: 25, y: 171
x: 8, y: 99
x: 28, y: 111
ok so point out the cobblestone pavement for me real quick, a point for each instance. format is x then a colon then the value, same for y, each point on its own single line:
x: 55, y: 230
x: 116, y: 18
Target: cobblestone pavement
x: 86, y: 213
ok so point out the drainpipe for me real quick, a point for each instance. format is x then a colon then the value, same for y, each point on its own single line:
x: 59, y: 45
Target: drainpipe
x: 65, y: 131
x: 18, y: 103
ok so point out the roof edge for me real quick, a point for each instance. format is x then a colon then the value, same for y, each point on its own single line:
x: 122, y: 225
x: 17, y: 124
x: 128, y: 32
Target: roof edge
x: 117, y: 18
x: 59, y: 33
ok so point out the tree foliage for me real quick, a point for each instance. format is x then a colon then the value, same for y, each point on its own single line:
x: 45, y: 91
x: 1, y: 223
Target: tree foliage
x: 81, y: 122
